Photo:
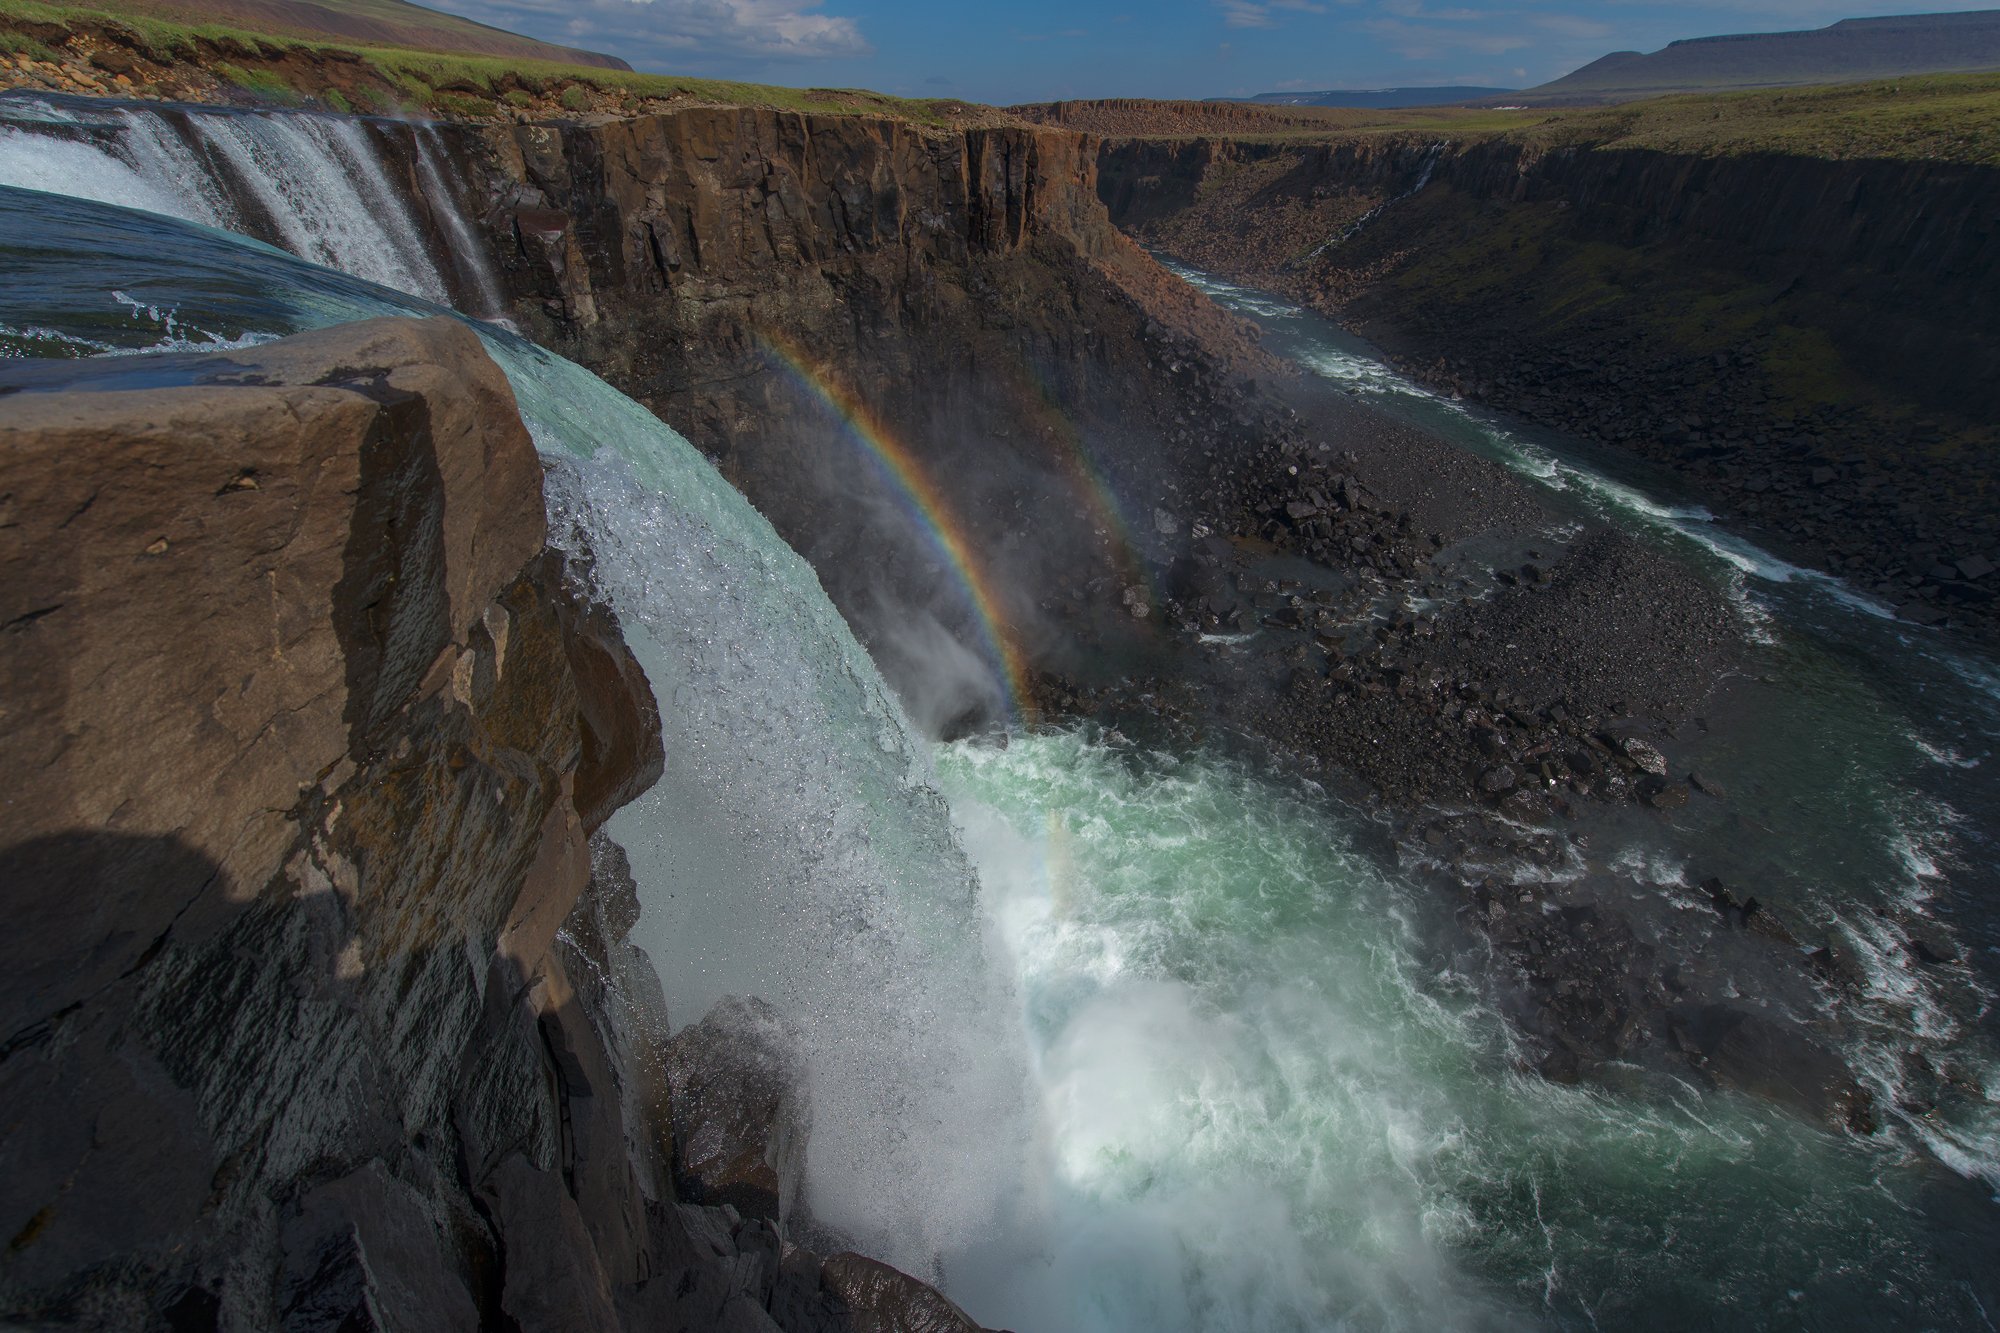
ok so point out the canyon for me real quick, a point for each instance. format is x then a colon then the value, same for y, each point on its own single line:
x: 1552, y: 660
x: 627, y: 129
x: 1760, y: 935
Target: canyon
x: 1799, y: 340
x: 408, y: 871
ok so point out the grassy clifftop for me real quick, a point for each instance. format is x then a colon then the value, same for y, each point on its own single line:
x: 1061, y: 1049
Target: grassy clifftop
x: 133, y: 50
x: 1939, y: 117
x: 1952, y: 117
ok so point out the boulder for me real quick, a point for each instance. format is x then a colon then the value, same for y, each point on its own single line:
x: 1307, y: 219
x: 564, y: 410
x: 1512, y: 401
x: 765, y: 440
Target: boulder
x: 1649, y: 759
x: 741, y: 1109
x: 881, y: 1299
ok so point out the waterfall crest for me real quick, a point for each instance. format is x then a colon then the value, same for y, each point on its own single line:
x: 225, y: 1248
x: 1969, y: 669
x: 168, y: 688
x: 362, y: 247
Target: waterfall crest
x: 314, y: 185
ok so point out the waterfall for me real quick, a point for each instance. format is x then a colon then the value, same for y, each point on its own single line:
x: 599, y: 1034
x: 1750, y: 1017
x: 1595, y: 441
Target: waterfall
x: 1260, y: 1099
x: 1354, y: 228
x: 442, y: 185
x: 314, y: 185
x: 797, y: 846
x: 318, y: 181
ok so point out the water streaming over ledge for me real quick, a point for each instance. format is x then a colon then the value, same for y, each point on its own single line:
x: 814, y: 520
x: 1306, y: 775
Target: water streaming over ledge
x: 796, y: 847
x: 1178, y: 1056
x: 315, y: 185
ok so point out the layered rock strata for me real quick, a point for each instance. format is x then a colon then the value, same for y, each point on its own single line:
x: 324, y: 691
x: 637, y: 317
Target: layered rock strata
x: 807, y: 297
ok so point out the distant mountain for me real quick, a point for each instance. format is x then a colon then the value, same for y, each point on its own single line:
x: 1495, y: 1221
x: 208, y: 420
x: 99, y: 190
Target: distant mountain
x: 369, y: 22
x: 1847, y: 52
x: 1373, y: 99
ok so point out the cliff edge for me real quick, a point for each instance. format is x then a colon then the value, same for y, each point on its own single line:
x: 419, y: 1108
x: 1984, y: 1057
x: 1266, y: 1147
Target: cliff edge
x: 316, y: 1005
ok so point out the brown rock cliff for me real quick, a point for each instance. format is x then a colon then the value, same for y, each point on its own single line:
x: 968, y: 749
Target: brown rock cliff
x: 317, y: 1009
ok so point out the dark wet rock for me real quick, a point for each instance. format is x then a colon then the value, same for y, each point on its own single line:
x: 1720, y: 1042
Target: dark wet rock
x: 364, y: 1251
x: 1745, y: 913
x: 742, y: 1110
x: 1708, y: 786
x: 879, y: 1299
x: 1662, y: 794
x: 1500, y: 779
x: 1646, y: 756
x: 1781, y: 1064
x: 1933, y: 948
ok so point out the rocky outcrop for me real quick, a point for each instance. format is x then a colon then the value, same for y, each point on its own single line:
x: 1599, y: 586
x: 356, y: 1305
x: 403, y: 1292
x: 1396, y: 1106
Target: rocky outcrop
x: 742, y: 1109
x: 316, y: 1004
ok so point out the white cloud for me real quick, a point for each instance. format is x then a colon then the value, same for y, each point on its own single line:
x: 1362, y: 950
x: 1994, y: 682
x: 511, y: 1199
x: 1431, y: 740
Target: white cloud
x: 1571, y: 25
x: 666, y: 31
x: 1257, y: 13
x: 1239, y: 14
x: 1416, y: 9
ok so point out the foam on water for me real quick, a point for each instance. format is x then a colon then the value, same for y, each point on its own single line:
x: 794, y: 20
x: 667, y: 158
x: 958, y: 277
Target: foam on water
x: 1260, y: 1107
x: 1370, y: 377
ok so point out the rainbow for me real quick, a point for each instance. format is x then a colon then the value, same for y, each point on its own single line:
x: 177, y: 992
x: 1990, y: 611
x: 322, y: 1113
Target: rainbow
x: 1089, y: 477
x: 926, y: 506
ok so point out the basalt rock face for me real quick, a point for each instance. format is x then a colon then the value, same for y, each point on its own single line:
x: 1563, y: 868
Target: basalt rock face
x: 801, y: 295
x: 1808, y: 341
x: 317, y: 1007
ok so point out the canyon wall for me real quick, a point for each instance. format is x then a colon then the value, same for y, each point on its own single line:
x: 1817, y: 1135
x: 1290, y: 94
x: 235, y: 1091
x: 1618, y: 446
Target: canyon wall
x: 318, y: 1008
x: 754, y: 277
x: 1807, y: 341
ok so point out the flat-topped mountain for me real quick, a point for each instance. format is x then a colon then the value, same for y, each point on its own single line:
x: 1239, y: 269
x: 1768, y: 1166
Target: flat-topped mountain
x: 1846, y: 52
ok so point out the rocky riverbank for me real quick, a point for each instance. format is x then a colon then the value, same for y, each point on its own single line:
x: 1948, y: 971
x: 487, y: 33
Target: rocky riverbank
x: 1800, y: 341
x: 319, y: 1009
x: 1408, y: 623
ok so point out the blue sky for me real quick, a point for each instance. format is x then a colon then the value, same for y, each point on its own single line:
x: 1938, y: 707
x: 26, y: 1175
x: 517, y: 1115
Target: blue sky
x: 1034, y: 50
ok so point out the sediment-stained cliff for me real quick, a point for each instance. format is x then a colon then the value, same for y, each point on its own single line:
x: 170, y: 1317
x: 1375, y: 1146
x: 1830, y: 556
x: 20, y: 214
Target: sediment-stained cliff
x: 318, y: 1009
x: 1808, y: 341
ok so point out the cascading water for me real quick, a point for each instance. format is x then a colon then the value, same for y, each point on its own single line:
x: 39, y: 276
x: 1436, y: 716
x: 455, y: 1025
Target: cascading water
x: 312, y: 184
x: 796, y: 847
x: 1432, y: 156
x: 441, y: 186
x: 1178, y: 1056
